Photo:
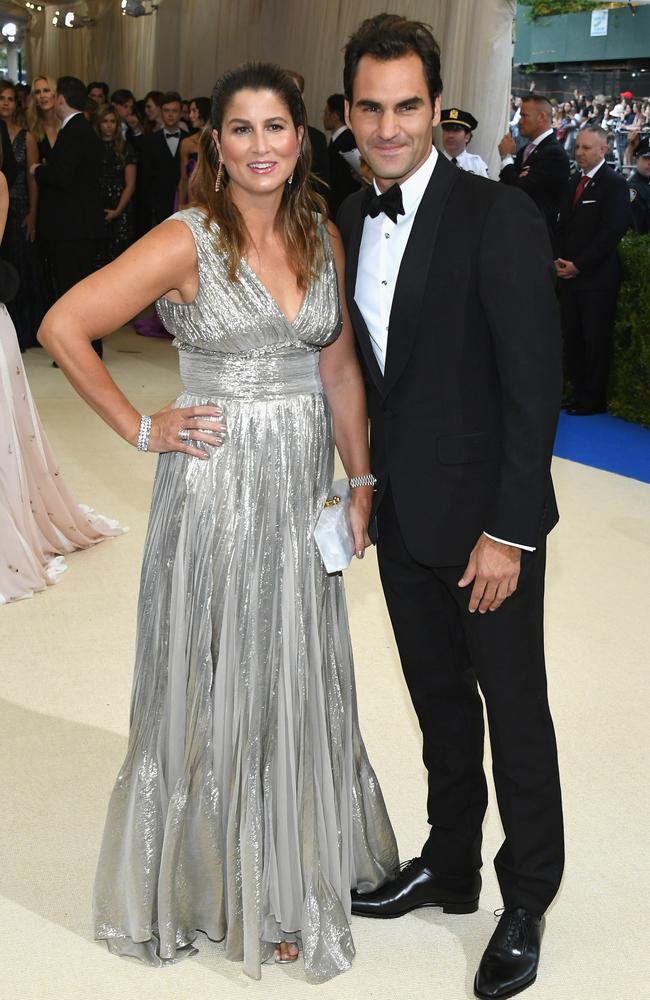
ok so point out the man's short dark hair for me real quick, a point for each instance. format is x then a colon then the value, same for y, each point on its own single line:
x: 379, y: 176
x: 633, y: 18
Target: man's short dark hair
x: 540, y: 102
x: 171, y: 97
x: 390, y: 36
x: 336, y: 104
x: 122, y: 96
x: 99, y: 85
x: 73, y: 91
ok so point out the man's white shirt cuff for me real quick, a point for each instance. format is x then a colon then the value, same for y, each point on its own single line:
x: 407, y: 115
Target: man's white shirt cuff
x: 517, y: 545
x: 506, y: 160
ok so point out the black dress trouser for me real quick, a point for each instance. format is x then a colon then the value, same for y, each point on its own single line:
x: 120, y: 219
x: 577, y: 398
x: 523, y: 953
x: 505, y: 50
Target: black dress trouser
x: 444, y: 651
x: 587, y: 329
x: 71, y: 261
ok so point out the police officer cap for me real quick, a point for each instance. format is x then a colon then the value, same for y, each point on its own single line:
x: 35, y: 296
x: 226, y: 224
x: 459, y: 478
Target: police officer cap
x: 455, y: 118
x: 643, y: 147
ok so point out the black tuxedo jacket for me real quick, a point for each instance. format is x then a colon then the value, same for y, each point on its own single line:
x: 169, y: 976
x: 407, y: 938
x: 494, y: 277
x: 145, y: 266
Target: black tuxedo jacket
x: 542, y: 176
x: 320, y: 164
x: 161, y: 174
x: 342, y: 181
x: 589, y: 233
x: 463, y: 420
x: 70, y: 202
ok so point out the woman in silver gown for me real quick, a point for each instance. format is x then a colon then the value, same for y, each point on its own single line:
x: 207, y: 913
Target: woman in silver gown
x: 246, y: 807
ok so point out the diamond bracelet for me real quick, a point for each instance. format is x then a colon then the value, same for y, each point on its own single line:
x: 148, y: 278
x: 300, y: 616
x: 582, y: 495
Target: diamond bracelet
x: 143, y: 433
x: 362, y: 481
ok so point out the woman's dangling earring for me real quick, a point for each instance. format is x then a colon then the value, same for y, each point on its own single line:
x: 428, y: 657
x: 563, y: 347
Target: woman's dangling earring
x: 290, y: 178
x: 217, y: 183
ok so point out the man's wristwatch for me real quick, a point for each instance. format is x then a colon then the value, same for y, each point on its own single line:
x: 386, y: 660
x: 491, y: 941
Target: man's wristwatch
x: 368, y: 480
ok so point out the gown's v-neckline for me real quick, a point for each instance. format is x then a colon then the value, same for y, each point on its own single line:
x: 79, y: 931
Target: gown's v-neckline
x: 272, y: 298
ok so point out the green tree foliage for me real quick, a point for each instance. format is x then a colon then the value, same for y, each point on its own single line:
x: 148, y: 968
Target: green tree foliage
x: 629, y: 390
x: 548, y: 8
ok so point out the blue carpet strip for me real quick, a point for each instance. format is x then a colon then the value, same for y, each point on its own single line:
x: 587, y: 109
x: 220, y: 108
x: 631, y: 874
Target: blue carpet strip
x: 605, y: 442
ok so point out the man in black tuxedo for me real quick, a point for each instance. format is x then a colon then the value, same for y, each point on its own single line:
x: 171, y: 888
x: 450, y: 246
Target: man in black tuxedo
x: 70, y: 214
x: 463, y: 399
x: 320, y: 165
x: 343, y: 153
x: 541, y: 167
x: 594, y: 216
x: 161, y: 160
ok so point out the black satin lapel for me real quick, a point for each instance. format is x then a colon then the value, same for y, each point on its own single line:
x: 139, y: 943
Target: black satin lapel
x: 358, y: 322
x: 405, y: 315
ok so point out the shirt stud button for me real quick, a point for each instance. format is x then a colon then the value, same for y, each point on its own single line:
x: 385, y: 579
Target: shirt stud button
x: 384, y: 282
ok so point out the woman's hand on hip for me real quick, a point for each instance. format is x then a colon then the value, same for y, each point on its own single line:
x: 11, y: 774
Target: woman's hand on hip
x: 180, y: 428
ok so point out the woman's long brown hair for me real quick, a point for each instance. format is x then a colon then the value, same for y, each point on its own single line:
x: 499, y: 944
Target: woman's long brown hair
x: 298, y: 215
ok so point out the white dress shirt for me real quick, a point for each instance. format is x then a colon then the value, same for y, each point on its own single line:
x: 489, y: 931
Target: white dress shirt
x: 505, y: 160
x: 471, y: 162
x: 382, y: 247
x: 68, y: 117
x: 383, y: 243
x: 173, y: 141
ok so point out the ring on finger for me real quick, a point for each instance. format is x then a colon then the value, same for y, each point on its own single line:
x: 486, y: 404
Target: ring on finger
x: 184, y: 434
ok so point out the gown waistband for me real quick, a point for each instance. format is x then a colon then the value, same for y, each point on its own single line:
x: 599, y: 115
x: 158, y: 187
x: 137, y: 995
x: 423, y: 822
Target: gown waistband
x: 264, y: 374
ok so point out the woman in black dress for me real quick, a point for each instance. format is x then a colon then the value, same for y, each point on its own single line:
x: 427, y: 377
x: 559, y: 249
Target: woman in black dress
x: 44, y: 126
x: 28, y: 307
x: 117, y: 182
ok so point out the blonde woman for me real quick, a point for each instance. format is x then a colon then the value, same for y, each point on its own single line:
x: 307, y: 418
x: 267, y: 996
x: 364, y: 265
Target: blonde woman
x: 41, y: 116
x: 117, y: 182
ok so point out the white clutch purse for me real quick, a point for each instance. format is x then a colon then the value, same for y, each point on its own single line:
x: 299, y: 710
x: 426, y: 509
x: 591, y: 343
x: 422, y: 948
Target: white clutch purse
x: 333, y: 534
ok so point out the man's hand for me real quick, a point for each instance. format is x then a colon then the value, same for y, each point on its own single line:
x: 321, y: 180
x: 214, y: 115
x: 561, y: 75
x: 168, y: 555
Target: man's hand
x: 507, y: 146
x: 565, y: 268
x: 494, y: 568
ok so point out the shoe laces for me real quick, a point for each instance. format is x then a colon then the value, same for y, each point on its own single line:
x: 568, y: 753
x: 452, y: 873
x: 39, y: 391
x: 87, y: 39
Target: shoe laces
x: 518, y: 926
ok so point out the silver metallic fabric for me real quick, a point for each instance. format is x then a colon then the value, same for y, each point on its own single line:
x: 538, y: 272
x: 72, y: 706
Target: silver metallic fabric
x: 246, y: 806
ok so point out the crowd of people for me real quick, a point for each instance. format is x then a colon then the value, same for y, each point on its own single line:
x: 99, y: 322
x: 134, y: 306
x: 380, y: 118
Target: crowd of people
x: 72, y: 210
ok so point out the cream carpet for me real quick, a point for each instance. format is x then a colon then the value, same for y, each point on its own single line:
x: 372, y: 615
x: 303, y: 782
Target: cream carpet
x: 67, y: 658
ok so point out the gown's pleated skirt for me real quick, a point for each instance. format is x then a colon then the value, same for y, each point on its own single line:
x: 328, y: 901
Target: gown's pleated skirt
x: 246, y: 806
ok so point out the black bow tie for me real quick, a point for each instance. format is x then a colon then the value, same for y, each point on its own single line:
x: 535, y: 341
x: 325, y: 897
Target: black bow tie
x: 390, y: 202
x: 172, y: 135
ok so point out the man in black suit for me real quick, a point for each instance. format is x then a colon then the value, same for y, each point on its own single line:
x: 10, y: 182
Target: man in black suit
x: 161, y: 160
x: 70, y: 215
x: 320, y: 165
x: 594, y: 216
x: 463, y: 400
x: 541, y: 167
x: 343, y: 153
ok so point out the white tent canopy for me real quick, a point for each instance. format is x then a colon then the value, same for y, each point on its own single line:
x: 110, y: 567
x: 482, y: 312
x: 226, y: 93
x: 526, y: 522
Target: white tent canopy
x: 187, y: 44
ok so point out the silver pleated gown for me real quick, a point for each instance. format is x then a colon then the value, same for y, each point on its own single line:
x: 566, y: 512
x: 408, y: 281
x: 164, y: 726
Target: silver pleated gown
x: 246, y: 806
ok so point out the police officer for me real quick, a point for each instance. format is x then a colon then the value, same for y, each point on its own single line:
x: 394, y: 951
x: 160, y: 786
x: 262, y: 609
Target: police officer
x: 639, y: 184
x: 457, y: 127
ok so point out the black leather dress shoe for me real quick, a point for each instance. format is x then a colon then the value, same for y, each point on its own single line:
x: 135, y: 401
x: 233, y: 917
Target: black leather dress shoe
x: 584, y: 411
x: 415, y: 886
x: 510, y: 961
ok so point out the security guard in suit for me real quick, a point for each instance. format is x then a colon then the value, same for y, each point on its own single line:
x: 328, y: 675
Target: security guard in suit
x: 639, y: 184
x: 457, y: 128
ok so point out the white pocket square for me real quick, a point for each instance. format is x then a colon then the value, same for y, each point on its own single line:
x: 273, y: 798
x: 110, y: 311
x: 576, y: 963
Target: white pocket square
x: 592, y: 201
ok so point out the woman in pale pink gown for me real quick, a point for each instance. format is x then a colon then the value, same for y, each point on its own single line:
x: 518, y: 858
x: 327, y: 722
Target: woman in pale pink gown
x: 39, y: 519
